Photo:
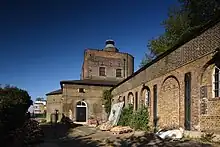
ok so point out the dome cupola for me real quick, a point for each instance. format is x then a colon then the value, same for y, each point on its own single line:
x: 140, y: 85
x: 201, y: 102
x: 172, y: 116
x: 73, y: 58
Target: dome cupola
x: 110, y: 46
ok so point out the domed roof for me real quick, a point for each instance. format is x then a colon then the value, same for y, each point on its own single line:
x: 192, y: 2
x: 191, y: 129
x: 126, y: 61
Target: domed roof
x: 110, y: 46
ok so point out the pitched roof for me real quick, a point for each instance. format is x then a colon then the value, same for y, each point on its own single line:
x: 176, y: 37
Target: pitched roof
x: 90, y: 82
x: 197, y: 32
x: 59, y: 91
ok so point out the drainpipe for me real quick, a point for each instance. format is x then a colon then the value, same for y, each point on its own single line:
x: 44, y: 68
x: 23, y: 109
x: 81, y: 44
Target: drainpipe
x: 66, y: 100
x: 127, y: 65
x: 124, y: 68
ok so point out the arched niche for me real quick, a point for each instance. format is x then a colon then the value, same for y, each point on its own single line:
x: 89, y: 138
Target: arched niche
x: 169, y: 102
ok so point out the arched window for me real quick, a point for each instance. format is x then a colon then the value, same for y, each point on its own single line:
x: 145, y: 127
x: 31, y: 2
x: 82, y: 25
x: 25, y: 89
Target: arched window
x: 81, y: 103
x: 216, y: 82
x: 130, y: 98
x: 147, y: 97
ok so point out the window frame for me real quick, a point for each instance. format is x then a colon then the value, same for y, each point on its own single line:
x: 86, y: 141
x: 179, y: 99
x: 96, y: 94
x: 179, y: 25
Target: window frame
x: 100, y: 71
x: 116, y: 73
x: 81, y: 90
x: 216, y: 82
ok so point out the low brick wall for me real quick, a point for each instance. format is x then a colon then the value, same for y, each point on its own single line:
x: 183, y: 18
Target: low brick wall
x: 210, y: 123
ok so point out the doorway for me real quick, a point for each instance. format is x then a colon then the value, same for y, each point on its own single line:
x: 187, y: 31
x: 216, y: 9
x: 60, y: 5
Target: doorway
x: 81, y: 111
x: 155, y: 118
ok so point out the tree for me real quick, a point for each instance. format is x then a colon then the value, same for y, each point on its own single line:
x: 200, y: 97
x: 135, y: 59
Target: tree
x: 14, y: 103
x: 39, y: 99
x: 183, y: 21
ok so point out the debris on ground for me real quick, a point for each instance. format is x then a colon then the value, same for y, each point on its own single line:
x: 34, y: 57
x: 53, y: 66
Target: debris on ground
x: 106, y: 126
x: 113, y: 117
x: 121, y: 129
x: 115, y: 113
x: 172, y: 134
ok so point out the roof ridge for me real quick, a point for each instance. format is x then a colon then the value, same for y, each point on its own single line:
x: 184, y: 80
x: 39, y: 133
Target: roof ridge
x: 200, y: 30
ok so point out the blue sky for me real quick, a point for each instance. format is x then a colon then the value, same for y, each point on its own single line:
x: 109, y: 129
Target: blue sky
x: 42, y: 41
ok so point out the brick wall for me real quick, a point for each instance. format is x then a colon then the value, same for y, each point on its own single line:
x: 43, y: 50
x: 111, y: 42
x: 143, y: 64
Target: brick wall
x: 209, y: 122
x: 168, y: 73
x: 54, y: 102
x: 93, y: 59
x: 92, y: 97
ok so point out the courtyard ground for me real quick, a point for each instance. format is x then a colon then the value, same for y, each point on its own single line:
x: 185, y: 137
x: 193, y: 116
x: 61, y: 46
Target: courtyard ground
x: 61, y: 135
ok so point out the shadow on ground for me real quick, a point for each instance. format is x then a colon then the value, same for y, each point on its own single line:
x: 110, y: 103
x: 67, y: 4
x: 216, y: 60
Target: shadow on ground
x: 57, y: 135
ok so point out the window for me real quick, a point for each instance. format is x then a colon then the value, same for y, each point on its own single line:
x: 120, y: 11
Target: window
x: 101, y: 71
x: 216, y: 82
x: 118, y: 73
x: 136, y: 100
x: 147, y: 97
x: 81, y: 90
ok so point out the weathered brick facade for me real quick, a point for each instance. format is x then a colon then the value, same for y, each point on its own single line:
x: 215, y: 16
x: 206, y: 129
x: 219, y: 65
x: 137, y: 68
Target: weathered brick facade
x: 92, y: 97
x: 90, y: 87
x: 168, y: 73
x: 54, y: 102
x: 93, y: 59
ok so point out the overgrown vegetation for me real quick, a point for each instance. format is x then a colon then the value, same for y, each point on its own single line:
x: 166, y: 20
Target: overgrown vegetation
x: 15, y: 123
x: 207, y: 137
x: 107, y: 100
x: 126, y: 116
x: 138, y: 120
x: 183, y: 22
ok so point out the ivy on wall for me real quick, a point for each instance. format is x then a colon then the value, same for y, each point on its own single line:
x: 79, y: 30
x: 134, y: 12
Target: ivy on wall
x: 107, y: 100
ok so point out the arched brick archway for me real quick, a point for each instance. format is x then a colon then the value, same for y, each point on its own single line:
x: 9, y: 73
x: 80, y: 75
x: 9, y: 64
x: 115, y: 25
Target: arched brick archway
x: 169, y: 102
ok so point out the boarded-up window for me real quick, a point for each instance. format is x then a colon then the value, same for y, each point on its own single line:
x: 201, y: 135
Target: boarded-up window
x: 118, y: 73
x: 101, y: 71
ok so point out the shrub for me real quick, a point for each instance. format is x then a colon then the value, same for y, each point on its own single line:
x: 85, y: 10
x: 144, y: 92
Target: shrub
x: 137, y: 120
x: 126, y: 116
x: 140, y: 119
x: 207, y: 137
x: 33, y: 134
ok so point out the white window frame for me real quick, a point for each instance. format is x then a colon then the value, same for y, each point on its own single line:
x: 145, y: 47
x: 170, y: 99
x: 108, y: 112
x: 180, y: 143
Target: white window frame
x: 214, y: 82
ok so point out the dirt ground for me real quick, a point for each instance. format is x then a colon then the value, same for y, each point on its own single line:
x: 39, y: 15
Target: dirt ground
x: 84, y: 136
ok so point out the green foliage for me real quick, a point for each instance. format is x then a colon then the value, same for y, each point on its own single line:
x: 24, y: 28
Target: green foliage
x: 207, y: 137
x: 39, y: 99
x: 14, y: 103
x: 183, y: 21
x: 31, y: 133
x: 141, y: 119
x: 126, y: 116
x: 107, y: 100
x: 138, y: 120
x: 13, y: 107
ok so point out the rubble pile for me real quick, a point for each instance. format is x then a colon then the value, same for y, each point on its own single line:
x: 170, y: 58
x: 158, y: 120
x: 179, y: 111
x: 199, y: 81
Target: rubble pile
x: 121, y: 129
x: 106, y: 126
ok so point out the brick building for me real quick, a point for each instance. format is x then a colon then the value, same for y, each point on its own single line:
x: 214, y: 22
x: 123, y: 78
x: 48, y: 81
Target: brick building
x: 181, y: 87
x: 101, y: 70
